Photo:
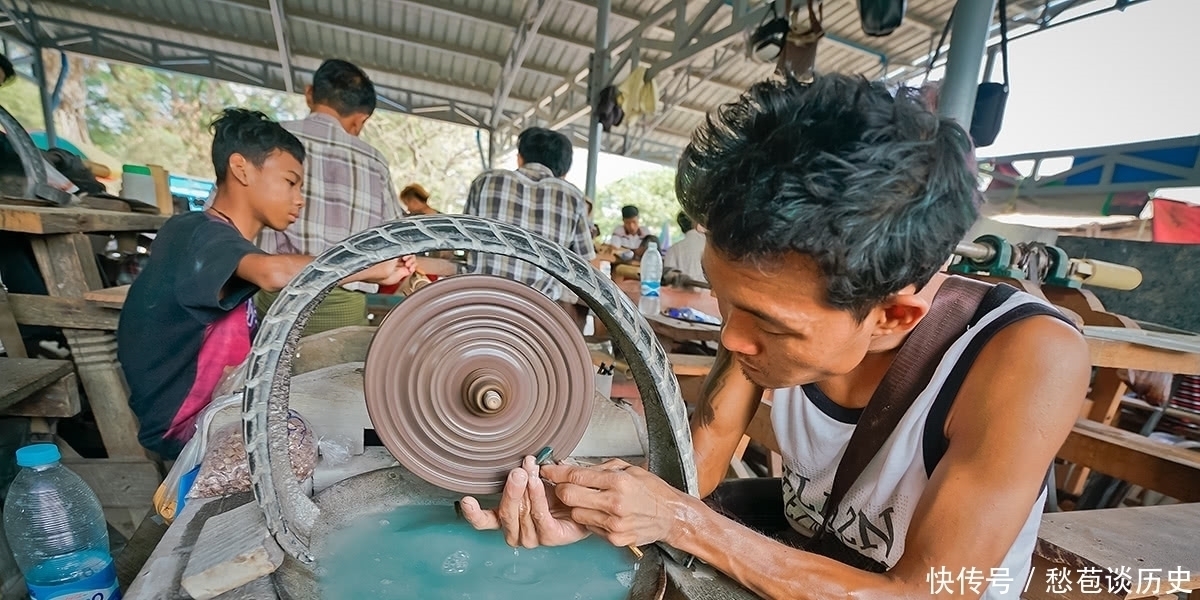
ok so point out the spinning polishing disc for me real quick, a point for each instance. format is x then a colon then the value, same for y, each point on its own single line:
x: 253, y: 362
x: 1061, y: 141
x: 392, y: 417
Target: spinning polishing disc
x: 470, y: 374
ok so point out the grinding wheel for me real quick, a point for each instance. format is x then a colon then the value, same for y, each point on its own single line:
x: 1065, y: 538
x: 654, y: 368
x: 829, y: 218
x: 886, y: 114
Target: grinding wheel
x: 470, y: 374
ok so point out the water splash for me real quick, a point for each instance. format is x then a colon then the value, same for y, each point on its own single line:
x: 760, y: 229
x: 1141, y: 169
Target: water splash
x: 625, y: 578
x: 456, y: 563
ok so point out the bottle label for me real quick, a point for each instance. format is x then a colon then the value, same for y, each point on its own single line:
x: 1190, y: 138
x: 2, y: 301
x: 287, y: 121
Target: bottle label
x: 99, y: 586
x: 650, y: 289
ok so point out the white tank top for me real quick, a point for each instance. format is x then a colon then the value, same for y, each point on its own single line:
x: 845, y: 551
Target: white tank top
x: 874, y: 516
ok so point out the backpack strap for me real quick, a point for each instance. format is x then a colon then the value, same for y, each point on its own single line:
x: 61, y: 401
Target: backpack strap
x: 954, y: 306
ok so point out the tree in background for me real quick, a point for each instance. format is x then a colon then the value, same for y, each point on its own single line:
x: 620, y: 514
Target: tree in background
x: 653, y: 192
x: 145, y: 116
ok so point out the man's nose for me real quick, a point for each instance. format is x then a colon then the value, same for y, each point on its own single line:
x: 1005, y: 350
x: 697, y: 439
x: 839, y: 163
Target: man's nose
x: 736, y: 336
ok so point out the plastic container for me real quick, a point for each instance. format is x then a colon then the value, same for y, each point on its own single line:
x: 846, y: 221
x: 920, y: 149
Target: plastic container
x: 56, y: 530
x: 137, y: 183
x: 651, y: 269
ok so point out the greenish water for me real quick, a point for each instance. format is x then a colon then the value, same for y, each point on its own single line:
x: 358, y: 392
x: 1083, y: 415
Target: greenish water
x: 427, y: 553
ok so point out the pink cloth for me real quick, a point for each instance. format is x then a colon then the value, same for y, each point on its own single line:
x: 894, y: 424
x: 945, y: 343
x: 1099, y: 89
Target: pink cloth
x: 226, y: 344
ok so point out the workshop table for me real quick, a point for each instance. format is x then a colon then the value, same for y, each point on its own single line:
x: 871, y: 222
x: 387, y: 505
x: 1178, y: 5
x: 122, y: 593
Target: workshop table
x: 67, y: 264
x: 676, y: 330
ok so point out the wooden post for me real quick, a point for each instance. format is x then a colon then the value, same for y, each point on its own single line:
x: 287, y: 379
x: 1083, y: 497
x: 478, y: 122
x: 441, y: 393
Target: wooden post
x: 69, y: 270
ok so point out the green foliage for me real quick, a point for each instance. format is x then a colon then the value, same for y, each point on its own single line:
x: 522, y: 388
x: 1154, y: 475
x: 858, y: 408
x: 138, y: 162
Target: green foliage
x: 653, y: 192
x: 21, y: 99
x: 145, y: 116
x: 440, y: 156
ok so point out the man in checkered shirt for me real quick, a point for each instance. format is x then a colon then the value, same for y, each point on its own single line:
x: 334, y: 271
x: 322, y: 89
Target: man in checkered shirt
x: 347, y: 186
x: 537, y: 199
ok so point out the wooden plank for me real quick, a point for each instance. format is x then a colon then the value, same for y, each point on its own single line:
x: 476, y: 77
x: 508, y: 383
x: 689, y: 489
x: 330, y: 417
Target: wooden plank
x: 57, y: 400
x: 1178, y: 413
x: 1127, y: 355
x: 690, y: 365
x: 67, y: 273
x: 118, y: 482
x: 20, y: 378
x: 87, y: 260
x: 45, y: 220
x: 1133, y: 458
x: 72, y: 313
x: 1148, y: 537
x: 1176, y: 342
x: 234, y: 549
x: 113, y: 297
x: 10, y: 334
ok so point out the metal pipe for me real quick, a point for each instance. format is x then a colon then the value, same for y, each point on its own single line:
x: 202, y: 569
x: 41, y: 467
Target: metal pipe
x: 599, y: 73
x: 968, y: 39
x: 975, y: 252
x: 39, y: 73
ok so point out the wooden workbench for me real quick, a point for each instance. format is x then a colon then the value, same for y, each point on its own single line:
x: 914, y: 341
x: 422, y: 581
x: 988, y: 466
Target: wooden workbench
x: 58, y: 237
x: 1160, y: 539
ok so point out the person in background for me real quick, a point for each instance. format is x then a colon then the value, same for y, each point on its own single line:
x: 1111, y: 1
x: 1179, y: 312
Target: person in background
x: 629, y: 238
x: 416, y: 200
x: 187, y: 317
x: 347, y: 186
x: 536, y: 198
x: 685, y: 255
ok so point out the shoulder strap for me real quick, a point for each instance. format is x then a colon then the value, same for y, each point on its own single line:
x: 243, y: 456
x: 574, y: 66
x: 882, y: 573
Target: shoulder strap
x: 954, y: 306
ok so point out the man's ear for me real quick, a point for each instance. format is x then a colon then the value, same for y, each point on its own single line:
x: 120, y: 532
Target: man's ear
x: 240, y: 169
x: 308, y: 96
x: 899, y: 313
x: 355, y: 123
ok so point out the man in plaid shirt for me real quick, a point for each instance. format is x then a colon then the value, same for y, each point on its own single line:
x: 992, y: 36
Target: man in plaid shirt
x: 535, y: 198
x: 347, y: 186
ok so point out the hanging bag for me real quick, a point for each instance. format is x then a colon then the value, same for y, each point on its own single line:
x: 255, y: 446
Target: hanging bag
x: 992, y: 97
x: 799, y: 54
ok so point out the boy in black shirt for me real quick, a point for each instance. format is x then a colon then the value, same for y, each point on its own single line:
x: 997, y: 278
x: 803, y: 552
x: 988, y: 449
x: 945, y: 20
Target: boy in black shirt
x: 187, y: 317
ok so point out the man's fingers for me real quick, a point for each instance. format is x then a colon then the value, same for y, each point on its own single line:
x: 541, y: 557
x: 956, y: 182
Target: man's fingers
x: 596, y: 478
x: 478, y: 517
x: 510, y: 506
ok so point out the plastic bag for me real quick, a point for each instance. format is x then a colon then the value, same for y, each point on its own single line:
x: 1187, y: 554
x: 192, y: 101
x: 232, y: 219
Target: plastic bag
x: 226, y: 471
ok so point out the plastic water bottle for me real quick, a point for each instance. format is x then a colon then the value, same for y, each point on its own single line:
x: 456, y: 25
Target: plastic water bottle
x: 652, y: 267
x: 57, y: 531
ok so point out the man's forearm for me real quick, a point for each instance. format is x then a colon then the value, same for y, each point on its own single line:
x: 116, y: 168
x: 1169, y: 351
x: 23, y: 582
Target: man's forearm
x: 772, y: 569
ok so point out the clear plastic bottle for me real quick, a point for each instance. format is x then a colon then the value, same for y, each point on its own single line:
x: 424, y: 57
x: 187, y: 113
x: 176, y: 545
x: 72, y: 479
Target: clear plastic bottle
x: 57, y: 531
x: 651, y: 268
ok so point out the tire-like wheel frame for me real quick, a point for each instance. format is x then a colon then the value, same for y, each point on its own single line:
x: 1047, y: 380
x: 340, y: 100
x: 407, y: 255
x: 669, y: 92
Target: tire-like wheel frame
x: 290, y: 514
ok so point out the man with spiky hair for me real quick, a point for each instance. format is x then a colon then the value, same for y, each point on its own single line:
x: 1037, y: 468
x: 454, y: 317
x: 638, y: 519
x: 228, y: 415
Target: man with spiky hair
x: 830, y: 208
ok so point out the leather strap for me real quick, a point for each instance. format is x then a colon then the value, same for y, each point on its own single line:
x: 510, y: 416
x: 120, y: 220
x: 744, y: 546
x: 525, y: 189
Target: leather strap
x: 912, y: 369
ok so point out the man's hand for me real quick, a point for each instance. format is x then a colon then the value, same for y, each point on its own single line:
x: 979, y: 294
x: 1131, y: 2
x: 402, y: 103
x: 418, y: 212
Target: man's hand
x: 622, y: 503
x: 527, y: 515
x: 388, y: 272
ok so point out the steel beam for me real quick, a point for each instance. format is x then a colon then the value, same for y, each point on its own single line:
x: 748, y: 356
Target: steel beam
x: 599, y: 74
x: 279, y: 22
x: 22, y: 28
x: 39, y: 73
x: 535, y: 13
x: 968, y: 41
x: 207, y: 63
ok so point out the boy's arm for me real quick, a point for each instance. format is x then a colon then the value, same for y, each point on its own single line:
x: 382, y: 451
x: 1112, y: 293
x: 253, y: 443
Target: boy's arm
x: 272, y: 272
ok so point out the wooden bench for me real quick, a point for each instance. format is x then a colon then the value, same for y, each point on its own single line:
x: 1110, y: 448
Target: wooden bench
x: 1103, y: 541
x: 1134, y: 458
x: 31, y: 387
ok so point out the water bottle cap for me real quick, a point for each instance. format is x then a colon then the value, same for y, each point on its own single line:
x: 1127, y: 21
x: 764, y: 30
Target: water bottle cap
x: 36, y: 455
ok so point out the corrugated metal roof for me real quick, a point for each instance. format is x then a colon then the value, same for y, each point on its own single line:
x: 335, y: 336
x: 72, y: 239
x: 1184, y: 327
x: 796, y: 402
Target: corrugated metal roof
x: 444, y: 58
